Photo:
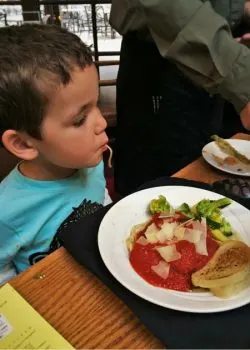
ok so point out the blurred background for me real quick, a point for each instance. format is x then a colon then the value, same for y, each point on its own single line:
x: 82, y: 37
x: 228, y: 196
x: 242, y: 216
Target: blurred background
x: 87, y: 19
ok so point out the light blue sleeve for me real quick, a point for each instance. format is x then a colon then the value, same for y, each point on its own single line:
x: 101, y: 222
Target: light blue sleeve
x: 10, y: 244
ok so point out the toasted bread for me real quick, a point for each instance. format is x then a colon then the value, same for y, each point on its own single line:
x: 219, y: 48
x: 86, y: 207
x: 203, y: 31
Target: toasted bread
x: 231, y: 289
x: 227, y: 272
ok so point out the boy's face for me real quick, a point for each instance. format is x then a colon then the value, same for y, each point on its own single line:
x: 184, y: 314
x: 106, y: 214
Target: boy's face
x: 73, y: 130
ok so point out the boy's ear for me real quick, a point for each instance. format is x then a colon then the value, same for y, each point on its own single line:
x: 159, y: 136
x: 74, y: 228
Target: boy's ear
x: 19, y: 144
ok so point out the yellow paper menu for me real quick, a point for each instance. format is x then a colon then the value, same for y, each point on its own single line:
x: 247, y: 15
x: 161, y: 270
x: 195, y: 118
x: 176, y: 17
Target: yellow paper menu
x: 21, y: 327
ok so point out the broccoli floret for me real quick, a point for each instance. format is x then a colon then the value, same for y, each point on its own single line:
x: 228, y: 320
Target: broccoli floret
x: 159, y: 205
x: 204, y: 208
x: 207, y: 208
x: 211, y: 211
x: 222, y: 203
x: 226, y: 228
x: 216, y: 215
x: 185, y: 210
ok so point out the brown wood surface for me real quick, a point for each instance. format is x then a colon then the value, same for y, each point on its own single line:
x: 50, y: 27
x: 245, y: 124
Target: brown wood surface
x: 79, y: 306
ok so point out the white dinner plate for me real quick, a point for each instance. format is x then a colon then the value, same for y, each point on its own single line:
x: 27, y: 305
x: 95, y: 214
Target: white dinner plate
x: 115, y: 228
x: 242, y: 146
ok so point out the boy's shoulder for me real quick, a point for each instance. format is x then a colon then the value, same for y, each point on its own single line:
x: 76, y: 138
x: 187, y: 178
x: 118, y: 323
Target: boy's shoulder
x: 15, y: 182
x: 19, y: 194
x: 9, y: 195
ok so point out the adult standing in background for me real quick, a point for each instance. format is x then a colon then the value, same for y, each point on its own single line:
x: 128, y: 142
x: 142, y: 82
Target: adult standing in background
x: 177, y: 58
x: 231, y: 121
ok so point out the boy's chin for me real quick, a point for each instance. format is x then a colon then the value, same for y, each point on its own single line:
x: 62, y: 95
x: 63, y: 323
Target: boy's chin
x: 93, y: 162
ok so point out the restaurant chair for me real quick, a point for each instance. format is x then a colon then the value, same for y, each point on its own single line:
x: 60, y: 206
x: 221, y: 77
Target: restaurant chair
x: 107, y: 102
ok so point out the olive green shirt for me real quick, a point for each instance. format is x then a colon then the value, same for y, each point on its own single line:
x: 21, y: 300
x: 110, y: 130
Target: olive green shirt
x: 196, y: 35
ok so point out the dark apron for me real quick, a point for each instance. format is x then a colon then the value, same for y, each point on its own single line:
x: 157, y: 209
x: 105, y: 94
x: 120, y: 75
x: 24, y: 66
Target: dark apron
x: 163, y: 119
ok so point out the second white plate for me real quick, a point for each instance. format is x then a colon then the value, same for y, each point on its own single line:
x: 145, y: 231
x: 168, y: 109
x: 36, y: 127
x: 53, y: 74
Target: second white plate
x: 242, y: 146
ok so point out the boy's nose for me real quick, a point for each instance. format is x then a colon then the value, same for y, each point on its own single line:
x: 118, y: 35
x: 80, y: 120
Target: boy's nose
x: 102, y: 123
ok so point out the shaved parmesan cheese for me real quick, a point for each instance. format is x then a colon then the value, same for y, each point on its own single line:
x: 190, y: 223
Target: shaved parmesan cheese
x: 161, y: 269
x: 166, y: 232
x: 151, y: 229
x: 179, y: 232
x: 186, y: 222
x: 201, y: 245
x: 142, y: 240
x: 151, y: 233
x: 169, y: 253
x: 192, y: 236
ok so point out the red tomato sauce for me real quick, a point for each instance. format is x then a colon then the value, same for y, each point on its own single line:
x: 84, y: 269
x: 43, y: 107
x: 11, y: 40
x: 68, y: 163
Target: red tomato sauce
x: 143, y: 257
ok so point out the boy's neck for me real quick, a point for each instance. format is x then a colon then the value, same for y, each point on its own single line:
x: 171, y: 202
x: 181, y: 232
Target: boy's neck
x: 44, y: 172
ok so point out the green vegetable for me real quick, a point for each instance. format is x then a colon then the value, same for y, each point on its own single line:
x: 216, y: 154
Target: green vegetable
x: 159, y: 205
x: 211, y: 211
x: 213, y: 224
x: 185, y: 210
x: 207, y: 208
x: 226, y: 228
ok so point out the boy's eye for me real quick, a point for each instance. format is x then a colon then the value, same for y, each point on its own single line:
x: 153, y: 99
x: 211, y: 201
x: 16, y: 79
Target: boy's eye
x: 77, y: 123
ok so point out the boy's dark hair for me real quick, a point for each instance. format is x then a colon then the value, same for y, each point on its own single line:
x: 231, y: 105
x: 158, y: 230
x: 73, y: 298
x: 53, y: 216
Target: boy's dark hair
x: 32, y: 57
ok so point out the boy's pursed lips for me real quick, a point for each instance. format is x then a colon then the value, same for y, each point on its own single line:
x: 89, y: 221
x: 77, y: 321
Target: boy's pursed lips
x: 104, y: 145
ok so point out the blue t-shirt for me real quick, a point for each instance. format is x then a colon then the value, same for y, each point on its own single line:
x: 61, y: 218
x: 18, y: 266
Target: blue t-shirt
x: 31, y: 211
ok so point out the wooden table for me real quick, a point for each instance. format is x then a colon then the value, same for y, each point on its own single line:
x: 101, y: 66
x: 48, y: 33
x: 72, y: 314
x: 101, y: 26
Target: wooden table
x: 79, y: 306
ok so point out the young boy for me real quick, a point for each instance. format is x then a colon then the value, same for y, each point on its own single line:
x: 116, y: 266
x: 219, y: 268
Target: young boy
x: 49, y: 118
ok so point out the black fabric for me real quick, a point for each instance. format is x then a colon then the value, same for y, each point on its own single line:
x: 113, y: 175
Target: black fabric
x: 175, y: 329
x: 236, y: 186
x: 163, y: 119
x: 231, y: 122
